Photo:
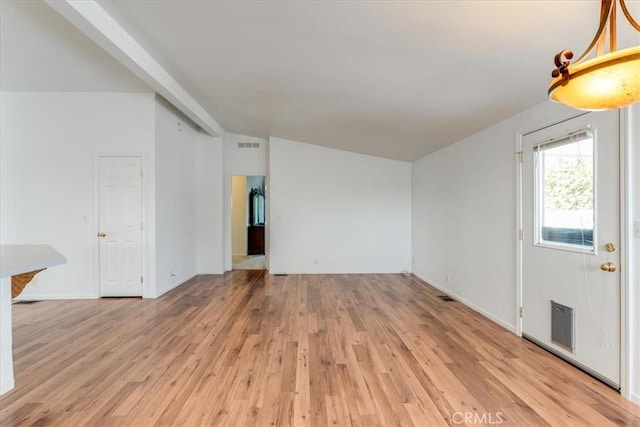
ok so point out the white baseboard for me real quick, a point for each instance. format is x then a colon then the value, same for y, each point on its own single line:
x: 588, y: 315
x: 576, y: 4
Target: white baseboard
x: 469, y: 304
x: 336, y: 272
x: 50, y: 297
x: 635, y: 398
x: 6, y: 386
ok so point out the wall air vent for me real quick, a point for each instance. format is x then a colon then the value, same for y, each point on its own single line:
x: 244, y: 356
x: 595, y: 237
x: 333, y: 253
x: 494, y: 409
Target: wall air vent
x: 248, y: 145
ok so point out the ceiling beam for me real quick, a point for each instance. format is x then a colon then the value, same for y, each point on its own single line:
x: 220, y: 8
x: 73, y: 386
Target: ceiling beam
x: 100, y: 27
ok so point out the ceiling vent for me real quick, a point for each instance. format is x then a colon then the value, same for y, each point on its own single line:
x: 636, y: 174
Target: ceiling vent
x: 248, y: 145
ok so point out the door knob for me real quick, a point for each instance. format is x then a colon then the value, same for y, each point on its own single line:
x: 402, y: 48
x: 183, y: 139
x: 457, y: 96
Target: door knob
x: 608, y: 267
x: 610, y: 247
x: 102, y: 234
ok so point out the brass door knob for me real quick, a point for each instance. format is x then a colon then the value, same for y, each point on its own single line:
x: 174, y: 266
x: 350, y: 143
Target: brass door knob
x: 102, y: 234
x: 608, y: 267
x: 610, y: 247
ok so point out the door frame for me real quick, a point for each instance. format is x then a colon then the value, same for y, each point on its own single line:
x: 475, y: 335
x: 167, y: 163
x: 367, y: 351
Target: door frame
x: 624, y: 212
x: 147, y: 290
x: 228, y: 226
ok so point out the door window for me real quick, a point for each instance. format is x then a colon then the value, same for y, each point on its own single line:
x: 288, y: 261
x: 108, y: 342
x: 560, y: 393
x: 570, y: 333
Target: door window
x: 564, y: 192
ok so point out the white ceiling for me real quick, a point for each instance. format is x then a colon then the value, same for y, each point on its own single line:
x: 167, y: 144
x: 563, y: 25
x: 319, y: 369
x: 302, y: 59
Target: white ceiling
x: 390, y: 79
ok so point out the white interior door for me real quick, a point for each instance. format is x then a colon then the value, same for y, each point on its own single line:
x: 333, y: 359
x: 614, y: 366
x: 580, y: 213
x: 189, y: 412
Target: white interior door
x: 120, y: 222
x: 570, y: 212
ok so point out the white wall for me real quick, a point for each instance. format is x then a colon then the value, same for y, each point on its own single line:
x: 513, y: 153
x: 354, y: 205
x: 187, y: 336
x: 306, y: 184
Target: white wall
x: 176, y: 227
x: 210, y: 205
x: 239, y: 215
x: 245, y: 161
x: 334, y: 211
x: 464, y: 214
x: 185, y: 190
x: 49, y: 143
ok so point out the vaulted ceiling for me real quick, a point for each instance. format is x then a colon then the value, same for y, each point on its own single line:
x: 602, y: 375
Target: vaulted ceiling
x: 390, y: 79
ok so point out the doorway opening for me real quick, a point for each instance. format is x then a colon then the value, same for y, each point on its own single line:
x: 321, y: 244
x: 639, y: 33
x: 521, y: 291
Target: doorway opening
x: 248, y: 222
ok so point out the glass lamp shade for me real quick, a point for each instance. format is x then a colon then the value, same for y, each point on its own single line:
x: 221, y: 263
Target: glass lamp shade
x: 602, y: 83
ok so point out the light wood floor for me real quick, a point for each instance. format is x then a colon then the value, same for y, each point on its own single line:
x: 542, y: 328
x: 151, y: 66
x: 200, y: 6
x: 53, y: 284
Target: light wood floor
x: 250, y: 349
x: 248, y: 262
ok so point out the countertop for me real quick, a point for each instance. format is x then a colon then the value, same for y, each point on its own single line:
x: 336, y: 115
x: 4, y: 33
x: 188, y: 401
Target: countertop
x: 18, y: 259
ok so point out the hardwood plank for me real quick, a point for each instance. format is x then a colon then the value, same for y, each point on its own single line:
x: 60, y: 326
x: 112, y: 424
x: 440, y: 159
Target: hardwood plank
x: 246, y: 348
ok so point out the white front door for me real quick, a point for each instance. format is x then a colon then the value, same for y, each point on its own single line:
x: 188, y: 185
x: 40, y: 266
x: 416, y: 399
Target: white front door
x: 120, y: 226
x: 570, y: 213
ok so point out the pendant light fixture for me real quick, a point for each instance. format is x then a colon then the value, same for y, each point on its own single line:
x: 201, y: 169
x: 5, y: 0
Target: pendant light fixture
x: 605, y: 82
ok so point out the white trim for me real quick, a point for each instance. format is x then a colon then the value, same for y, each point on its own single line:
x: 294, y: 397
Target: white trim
x: 228, y: 229
x: 634, y: 398
x: 228, y: 255
x: 568, y: 247
x: 267, y: 217
x: 625, y: 255
x: 472, y: 306
x: 538, y: 192
x: 519, y: 226
x: 339, y: 271
x: 43, y: 297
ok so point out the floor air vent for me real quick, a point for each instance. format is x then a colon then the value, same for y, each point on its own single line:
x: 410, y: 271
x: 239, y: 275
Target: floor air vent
x: 445, y: 298
x: 24, y: 302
